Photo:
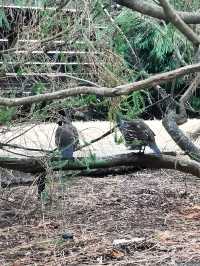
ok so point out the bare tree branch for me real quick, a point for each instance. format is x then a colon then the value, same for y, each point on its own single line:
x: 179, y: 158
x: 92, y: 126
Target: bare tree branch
x: 43, y: 41
x: 157, y: 12
x: 104, y: 91
x: 20, y: 134
x: 185, y: 98
x: 180, y: 57
x: 20, y: 147
x: 169, y: 122
x: 110, y: 131
x: 177, y: 21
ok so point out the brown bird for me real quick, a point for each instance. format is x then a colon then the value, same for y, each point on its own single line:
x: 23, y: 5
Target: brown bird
x: 66, y: 137
x: 137, y: 134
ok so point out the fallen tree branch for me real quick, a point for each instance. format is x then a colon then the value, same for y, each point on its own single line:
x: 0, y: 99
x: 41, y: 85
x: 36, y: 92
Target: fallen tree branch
x: 157, y: 12
x: 131, y: 159
x: 169, y: 123
x: 17, y: 153
x: 20, y: 134
x: 98, y: 173
x: 20, y: 147
x: 104, y: 91
x: 110, y: 131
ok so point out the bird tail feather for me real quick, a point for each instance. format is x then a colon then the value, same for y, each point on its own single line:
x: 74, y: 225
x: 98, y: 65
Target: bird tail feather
x: 155, y: 148
x: 67, y: 153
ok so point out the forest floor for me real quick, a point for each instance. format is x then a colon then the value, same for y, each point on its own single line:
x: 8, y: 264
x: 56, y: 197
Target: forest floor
x: 161, y: 208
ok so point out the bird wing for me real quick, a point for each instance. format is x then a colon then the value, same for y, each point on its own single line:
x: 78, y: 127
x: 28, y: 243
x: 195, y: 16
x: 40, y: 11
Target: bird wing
x: 74, y: 131
x: 137, y: 129
x: 148, y: 132
x: 64, y: 137
x: 57, y: 136
x: 76, y: 136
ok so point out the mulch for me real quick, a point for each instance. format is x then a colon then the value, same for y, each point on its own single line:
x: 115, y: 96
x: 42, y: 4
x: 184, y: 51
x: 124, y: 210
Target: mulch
x: 162, y: 207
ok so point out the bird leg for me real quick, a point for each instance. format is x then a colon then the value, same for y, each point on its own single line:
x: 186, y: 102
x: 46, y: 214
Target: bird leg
x: 142, y: 149
x: 41, y: 184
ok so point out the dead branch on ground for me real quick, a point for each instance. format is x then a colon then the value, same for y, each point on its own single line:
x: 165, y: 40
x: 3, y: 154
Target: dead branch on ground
x: 142, y: 161
x: 169, y: 122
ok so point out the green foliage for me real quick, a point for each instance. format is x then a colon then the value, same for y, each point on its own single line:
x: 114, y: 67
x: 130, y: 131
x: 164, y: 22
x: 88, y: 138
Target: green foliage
x: 118, y: 139
x: 38, y: 88
x: 195, y: 102
x: 154, y: 42
x: 3, y: 20
x: 6, y: 114
x: 132, y: 105
x: 185, y: 5
x: 158, y: 47
x: 98, y: 104
x: 51, y: 24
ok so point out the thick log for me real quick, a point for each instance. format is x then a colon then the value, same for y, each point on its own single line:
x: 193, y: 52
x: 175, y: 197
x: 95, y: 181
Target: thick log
x: 38, y: 165
x: 170, y: 124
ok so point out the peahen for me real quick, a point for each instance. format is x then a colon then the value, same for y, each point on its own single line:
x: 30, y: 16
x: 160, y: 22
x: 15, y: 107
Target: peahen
x: 137, y: 134
x: 66, y: 136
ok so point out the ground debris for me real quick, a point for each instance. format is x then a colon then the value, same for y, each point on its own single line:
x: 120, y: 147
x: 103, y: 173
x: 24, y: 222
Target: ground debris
x: 137, y: 242
x: 134, y: 219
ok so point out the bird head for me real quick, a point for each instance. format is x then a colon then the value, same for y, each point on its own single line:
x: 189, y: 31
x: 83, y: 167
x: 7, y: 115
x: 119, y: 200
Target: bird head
x: 64, y: 116
x: 120, y: 119
x: 60, y: 123
x: 62, y: 112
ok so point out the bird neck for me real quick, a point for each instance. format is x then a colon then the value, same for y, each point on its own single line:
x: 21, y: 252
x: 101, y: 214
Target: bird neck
x: 120, y: 119
x: 67, y: 123
x: 66, y: 120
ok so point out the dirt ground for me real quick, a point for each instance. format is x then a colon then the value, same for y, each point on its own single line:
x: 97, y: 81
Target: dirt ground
x: 161, y: 207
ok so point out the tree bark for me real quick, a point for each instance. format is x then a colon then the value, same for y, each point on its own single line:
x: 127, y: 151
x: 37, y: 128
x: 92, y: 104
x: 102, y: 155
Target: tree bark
x: 182, y: 115
x: 141, y: 161
x: 169, y: 122
x: 104, y: 91
x: 178, y: 22
x: 155, y: 11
